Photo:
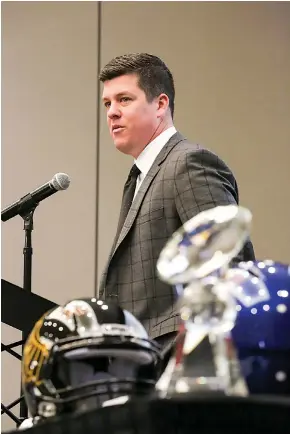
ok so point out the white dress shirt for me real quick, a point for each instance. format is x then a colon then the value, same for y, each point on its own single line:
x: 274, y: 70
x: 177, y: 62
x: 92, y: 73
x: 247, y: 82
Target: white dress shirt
x: 149, y: 154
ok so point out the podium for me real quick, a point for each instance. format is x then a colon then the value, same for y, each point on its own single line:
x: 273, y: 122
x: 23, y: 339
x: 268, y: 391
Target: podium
x: 19, y: 309
x: 184, y: 414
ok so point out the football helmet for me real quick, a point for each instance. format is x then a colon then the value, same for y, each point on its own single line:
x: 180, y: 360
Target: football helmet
x: 262, y: 332
x: 84, y: 353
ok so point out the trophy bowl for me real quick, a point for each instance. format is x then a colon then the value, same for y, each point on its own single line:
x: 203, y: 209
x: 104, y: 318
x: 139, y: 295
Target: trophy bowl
x: 204, y: 244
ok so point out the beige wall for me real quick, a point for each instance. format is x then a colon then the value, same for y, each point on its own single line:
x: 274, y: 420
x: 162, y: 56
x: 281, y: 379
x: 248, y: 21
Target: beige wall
x: 49, y: 94
x: 231, y: 63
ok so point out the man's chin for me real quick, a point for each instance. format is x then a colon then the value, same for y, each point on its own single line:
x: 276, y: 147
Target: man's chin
x: 122, y: 147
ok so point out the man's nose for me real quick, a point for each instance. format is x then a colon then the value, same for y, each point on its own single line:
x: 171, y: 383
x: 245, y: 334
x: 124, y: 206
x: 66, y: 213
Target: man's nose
x: 113, y: 111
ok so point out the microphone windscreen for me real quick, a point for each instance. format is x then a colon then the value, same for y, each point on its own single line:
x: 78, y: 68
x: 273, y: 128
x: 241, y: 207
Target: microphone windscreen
x: 60, y: 181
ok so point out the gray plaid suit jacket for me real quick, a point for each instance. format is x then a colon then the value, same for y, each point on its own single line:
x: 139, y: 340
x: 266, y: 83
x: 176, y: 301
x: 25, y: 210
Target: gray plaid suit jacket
x: 184, y: 180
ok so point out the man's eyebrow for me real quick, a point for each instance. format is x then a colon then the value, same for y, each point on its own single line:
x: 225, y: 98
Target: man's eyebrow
x: 105, y: 98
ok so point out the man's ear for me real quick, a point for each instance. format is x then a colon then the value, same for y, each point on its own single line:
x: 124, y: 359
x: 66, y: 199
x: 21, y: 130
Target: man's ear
x: 163, y: 104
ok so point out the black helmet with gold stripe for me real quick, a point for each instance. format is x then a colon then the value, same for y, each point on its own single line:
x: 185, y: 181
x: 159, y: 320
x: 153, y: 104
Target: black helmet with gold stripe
x: 84, y: 353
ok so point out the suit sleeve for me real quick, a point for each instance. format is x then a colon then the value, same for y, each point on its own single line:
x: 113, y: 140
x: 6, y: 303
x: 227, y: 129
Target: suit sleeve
x: 203, y: 181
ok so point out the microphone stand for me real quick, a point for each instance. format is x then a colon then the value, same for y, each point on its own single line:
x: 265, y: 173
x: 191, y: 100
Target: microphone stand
x: 27, y: 215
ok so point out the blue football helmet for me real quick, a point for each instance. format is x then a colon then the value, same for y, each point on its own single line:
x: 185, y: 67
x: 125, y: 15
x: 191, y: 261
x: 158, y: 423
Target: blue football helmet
x: 262, y: 332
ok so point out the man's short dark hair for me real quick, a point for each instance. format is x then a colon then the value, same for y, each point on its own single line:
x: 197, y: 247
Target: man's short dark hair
x: 154, y: 76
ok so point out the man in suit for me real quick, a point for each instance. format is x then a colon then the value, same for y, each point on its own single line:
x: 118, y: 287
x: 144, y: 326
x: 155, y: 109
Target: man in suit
x: 172, y: 179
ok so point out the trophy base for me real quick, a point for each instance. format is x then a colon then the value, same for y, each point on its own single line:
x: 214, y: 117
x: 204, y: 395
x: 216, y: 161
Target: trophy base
x: 200, y: 385
x: 197, y: 374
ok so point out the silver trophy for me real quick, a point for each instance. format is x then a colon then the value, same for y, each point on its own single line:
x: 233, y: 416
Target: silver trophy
x: 196, y: 260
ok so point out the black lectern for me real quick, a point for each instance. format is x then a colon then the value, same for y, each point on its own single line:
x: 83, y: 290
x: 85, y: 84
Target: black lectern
x: 19, y: 309
x: 184, y: 414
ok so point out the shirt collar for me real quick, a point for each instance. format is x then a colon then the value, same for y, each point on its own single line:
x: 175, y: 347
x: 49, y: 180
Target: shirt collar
x: 150, y: 152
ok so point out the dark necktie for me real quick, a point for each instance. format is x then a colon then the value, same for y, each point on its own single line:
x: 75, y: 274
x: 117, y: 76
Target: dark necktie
x: 128, y: 195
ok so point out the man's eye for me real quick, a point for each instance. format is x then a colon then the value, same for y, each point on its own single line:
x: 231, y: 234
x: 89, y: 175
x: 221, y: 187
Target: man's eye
x: 125, y: 99
x: 107, y: 104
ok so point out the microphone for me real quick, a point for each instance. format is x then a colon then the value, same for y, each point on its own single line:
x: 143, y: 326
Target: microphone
x: 60, y: 181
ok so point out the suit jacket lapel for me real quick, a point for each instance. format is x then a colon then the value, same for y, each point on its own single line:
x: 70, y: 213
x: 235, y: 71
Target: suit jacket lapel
x: 176, y: 138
